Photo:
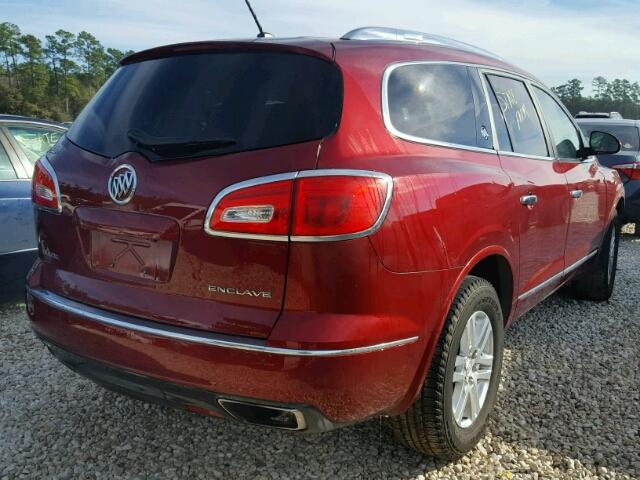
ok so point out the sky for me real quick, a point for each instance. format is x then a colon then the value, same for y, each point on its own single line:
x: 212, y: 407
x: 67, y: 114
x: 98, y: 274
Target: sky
x: 556, y: 40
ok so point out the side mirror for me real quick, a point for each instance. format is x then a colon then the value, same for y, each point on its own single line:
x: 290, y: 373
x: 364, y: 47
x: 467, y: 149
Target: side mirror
x: 603, y: 143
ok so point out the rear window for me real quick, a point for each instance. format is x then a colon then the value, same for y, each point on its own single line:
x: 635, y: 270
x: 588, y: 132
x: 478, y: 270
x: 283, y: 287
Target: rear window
x: 213, y: 103
x: 629, y: 136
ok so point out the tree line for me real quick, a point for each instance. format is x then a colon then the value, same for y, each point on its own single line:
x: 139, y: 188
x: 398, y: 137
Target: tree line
x: 52, y: 79
x: 56, y: 78
x: 619, y: 95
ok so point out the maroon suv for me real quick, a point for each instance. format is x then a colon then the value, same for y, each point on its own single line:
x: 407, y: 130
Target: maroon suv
x: 307, y: 233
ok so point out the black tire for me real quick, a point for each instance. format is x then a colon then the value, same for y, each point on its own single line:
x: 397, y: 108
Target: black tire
x: 597, y: 281
x: 429, y: 425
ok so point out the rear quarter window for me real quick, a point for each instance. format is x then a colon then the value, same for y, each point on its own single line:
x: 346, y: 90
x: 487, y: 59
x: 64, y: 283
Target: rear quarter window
x: 432, y: 102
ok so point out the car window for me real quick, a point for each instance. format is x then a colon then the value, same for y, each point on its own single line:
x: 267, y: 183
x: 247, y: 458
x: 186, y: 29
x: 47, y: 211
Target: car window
x: 564, y: 133
x: 484, y: 133
x: 523, y: 123
x: 34, y: 141
x: 243, y: 100
x: 501, y: 127
x: 6, y: 169
x: 629, y: 136
x: 432, y: 102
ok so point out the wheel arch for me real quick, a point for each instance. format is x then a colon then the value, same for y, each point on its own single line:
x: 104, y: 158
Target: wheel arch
x: 495, y: 265
x: 494, y: 262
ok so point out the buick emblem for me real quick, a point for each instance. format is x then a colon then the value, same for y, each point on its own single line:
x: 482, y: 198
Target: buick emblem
x: 122, y: 184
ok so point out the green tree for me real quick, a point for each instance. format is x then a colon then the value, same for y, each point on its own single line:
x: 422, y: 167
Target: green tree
x: 62, y: 44
x: 91, y: 54
x: 112, y: 59
x: 599, y: 85
x: 10, y: 47
x: 34, y: 59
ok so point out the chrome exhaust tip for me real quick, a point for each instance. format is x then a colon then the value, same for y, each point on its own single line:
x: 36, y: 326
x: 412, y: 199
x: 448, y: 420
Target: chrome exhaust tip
x: 265, y: 415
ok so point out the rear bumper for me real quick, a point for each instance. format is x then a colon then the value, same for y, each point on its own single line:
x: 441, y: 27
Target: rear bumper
x: 329, y: 386
x: 197, y: 400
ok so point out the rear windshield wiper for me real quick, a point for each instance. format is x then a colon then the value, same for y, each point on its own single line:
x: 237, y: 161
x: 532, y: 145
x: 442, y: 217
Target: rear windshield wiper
x: 176, y: 146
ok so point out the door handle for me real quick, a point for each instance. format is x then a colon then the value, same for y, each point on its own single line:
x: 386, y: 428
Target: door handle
x: 529, y: 200
x: 576, y: 193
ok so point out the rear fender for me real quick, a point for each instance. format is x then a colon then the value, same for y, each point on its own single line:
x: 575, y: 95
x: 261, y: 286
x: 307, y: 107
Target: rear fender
x: 456, y: 277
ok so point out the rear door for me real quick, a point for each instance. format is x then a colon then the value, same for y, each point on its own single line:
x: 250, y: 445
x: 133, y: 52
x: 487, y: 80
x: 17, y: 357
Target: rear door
x: 258, y: 112
x: 539, y: 187
x: 587, y: 188
x: 16, y: 215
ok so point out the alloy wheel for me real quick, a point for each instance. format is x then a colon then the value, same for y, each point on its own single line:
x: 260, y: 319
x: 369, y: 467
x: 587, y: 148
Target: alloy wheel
x: 473, y: 367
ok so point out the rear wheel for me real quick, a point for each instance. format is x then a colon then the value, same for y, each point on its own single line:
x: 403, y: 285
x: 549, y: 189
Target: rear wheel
x: 596, y: 283
x: 450, y: 415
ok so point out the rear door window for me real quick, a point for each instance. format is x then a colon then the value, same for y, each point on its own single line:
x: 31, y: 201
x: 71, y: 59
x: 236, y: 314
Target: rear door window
x: 211, y: 103
x: 432, y: 102
x: 34, y: 141
x: 520, y: 115
x: 565, y: 135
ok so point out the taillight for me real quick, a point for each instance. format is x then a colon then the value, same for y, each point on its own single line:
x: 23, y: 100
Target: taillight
x: 317, y: 205
x: 630, y: 170
x: 45, y: 191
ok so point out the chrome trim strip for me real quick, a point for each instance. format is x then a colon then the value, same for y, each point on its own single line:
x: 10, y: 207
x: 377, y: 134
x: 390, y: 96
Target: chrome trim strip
x: 300, y: 420
x: 522, y: 155
x: 14, y: 198
x: 21, y: 123
x: 24, y: 250
x: 292, y: 176
x: 182, y: 334
x: 557, y: 276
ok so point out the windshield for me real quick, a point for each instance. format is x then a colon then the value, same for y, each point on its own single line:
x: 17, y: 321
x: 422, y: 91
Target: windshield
x: 211, y: 103
x: 629, y: 136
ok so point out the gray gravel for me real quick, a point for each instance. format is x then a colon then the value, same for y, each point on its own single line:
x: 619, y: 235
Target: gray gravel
x: 569, y: 407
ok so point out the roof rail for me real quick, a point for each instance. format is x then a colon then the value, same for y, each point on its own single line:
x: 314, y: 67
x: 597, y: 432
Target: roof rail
x: 411, y: 36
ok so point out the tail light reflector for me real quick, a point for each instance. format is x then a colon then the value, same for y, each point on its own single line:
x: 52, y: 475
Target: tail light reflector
x: 631, y: 170
x: 337, y: 205
x: 45, y: 191
x: 317, y: 205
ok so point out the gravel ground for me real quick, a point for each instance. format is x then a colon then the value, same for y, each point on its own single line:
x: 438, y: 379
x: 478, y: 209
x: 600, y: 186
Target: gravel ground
x: 569, y: 407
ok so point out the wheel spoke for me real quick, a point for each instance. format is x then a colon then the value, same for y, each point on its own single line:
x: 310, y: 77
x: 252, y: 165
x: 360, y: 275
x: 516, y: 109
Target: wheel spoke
x: 458, y: 377
x: 484, y: 334
x: 484, y: 360
x: 460, y: 361
x: 483, y: 374
x: 474, y: 400
x: 467, y: 339
x: 461, y: 404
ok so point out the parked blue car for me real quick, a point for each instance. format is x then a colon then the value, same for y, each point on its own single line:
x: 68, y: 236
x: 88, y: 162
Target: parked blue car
x: 22, y: 141
x: 626, y: 161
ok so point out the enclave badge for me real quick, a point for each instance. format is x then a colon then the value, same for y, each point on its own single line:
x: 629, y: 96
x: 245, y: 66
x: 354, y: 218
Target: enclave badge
x: 238, y: 291
x: 122, y: 184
